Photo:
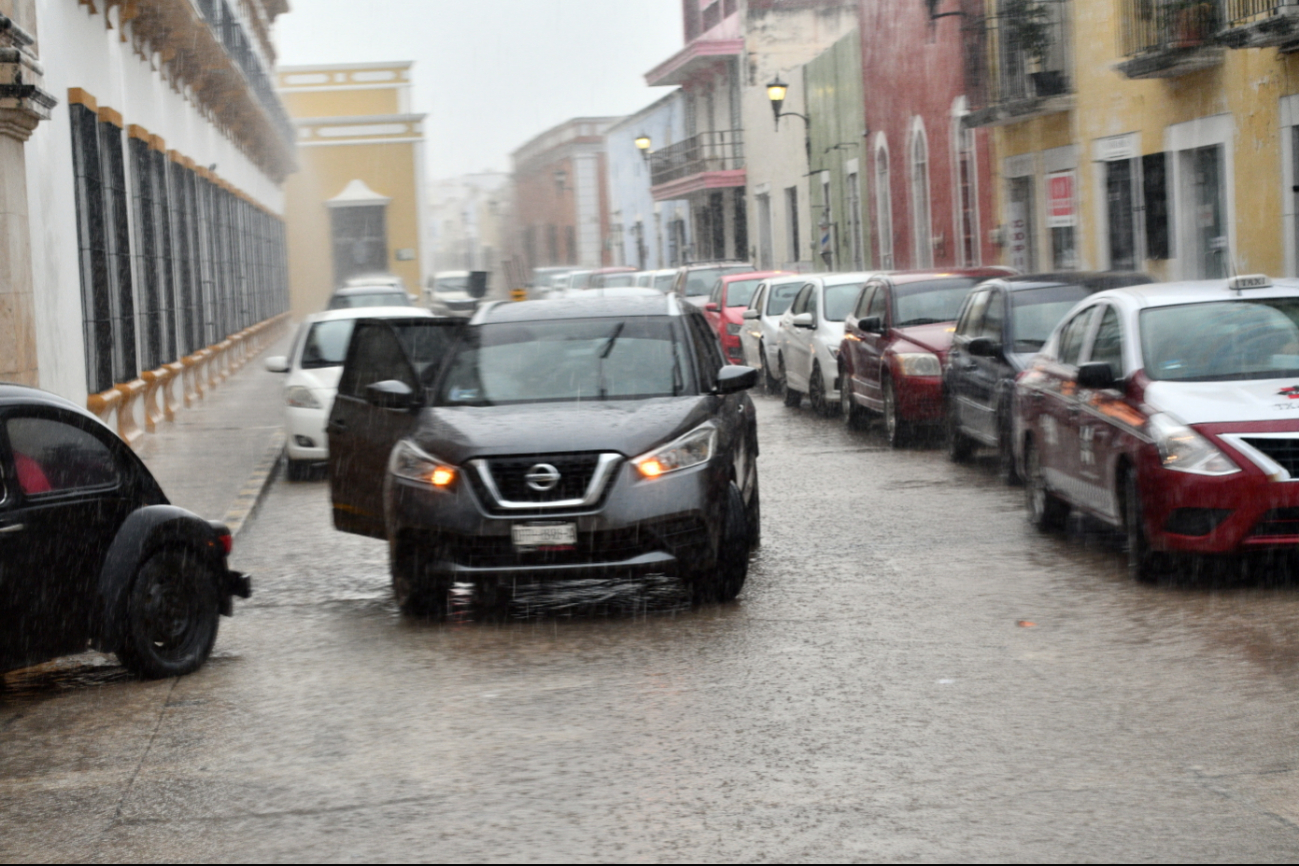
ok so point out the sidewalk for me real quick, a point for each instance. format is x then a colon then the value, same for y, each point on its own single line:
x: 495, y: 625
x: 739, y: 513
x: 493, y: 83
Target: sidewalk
x: 218, y: 455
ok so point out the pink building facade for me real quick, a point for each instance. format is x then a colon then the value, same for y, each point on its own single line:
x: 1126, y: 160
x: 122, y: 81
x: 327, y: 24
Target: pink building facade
x: 930, y: 177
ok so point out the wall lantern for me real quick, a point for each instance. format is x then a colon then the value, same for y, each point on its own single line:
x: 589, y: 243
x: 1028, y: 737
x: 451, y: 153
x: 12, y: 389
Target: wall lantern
x: 643, y: 144
x: 776, y: 92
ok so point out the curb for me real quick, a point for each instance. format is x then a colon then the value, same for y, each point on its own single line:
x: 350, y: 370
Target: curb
x: 256, y: 487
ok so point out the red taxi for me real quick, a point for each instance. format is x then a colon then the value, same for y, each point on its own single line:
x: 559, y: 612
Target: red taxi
x: 895, y: 342
x: 725, y: 308
x: 1170, y: 411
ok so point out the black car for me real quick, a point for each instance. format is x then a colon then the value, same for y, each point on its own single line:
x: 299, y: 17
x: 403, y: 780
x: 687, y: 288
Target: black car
x: 91, y: 552
x: 1002, y: 325
x: 545, y: 440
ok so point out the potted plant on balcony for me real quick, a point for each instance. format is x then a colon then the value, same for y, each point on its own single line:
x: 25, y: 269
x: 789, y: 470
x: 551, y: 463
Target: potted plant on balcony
x: 1028, y: 32
x: 1193, y: 22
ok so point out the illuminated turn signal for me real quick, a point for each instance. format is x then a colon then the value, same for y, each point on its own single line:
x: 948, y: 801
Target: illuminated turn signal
x: 650, y: 468
x: 443, y: 476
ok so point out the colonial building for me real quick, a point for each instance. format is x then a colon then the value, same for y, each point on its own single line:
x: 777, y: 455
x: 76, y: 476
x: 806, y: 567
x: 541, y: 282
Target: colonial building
x: 360, y: 193
x: 804, y: 175
x: 142, y: 156
x: 930, y: 174
x: 1153, y: 136
x: 561, y: 197
x: 645, y: 233
x: 467, y: 223
x: 707, y: 166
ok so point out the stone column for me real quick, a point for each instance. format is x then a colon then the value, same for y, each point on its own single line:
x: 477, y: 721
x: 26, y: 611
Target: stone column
x: 23, y: 105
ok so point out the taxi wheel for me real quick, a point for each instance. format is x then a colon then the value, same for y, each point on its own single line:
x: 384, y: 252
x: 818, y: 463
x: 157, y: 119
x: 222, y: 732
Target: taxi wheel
x: 896, y: 431
x: 816, y: 392
x: 793, y: 399
x: 732, y: 568
x: 419, y: 593
x: 854, y: 417
x: 1045, y: 511
x: 960, y: 448
x: 1144, y: 564
x: 173, y: 611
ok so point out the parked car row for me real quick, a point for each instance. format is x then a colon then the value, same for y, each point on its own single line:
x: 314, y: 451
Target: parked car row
x: 1169, y: 412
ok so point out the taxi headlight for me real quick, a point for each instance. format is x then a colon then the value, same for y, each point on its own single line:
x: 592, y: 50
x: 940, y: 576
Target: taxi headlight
x: 1184, y: 450
x: 919, y: 364
x: 413, y: 463
x: 692, y: 449
x: 300, y: 397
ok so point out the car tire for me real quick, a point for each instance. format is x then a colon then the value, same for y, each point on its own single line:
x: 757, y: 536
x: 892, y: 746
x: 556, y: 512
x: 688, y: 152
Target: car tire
x: 173, y: 612
x: 896, y: 430
x: 732, y: 565
x: 854, y: 416
x: 816, y: 392
x: 753, y: 516
x: 769, y: 382
x: 1006, y: 468
x: 1144, y: 564
x: 1046, y: 511
x: 417, y: 590
x: 960, y: 447
x: 793, y: 399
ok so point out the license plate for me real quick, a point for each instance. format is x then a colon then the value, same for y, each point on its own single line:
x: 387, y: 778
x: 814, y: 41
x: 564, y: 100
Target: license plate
x: 529, y: 536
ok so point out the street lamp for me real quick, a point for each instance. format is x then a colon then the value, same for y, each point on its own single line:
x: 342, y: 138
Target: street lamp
x: 643, y: 144
x: 776, y: 92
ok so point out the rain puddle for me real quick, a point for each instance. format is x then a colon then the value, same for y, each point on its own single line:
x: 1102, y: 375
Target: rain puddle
x: 71, y: 673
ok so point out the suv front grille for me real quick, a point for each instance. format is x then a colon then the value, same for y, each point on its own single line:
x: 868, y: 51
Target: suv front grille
x: 1283, y: 451
x: 502, y: 483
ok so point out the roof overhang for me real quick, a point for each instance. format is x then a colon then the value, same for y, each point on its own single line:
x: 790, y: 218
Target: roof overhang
x: 695, y: 58
x: 698, y: 182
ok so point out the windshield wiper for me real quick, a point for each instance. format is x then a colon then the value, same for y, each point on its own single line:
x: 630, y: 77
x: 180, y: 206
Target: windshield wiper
x: 913, y: 322
x: 604, y: 353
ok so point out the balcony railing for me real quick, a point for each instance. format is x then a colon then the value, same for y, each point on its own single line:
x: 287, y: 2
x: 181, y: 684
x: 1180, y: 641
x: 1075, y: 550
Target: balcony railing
x: 707, y: 151
x: 1259, y: 23
x: 1018, y: 62
x: 1166, y: 38
x: 230, y: 33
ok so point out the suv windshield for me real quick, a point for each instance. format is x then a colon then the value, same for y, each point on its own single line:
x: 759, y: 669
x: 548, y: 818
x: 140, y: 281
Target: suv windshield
x: 567, y: 360
x: 701, y: 281
x: 839, y: 301
x: 369, y: 299
x: 930, y: 302
x: 1038, y: 311
x: 326, y: 344
x: 1222, y: 341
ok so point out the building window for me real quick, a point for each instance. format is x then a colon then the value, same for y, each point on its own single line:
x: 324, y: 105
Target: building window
x: 852, y: 208
x: 570, y: 241
x: 92, y: 242
x: 884, y: 203
x: 740, y: 213
x: 1061, y: 219
x: 118, y: 249
x: 552, y: 244
x: 923, y: 252
x: 1120, y: 208
x: 1154, y: 195
x: 965, y: 180
x: 148, y: 250
x: 791, y: 224
x: 360, y: 237
x: 1202, y: 167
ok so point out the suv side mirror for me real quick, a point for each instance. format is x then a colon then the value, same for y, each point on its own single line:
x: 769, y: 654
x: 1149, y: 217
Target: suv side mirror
x: 802, y: 320
x: 733, y: 378
x: 982, y: 347
x: 1097, y: 376
x: 391, y: 394
x: 751, y: 315
x: 277, y: 364
x: 871, y: 324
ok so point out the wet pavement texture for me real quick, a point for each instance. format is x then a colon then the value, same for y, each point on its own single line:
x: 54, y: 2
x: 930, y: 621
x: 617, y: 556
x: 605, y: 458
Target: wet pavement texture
x: 911, y: 673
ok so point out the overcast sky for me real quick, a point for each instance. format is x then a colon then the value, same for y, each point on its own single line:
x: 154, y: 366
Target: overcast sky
x: 491, y: 74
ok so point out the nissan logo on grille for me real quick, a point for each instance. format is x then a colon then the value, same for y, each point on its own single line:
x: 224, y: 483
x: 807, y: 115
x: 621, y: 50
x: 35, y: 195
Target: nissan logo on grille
x: 542, y: 478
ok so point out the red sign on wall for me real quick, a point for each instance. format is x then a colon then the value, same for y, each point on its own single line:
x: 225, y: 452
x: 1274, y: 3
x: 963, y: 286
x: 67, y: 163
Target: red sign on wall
x: 1060, y: 200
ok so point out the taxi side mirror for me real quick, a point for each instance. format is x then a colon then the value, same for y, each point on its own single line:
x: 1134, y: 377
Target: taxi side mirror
x: 1097, y: 376
x: 871, y: 325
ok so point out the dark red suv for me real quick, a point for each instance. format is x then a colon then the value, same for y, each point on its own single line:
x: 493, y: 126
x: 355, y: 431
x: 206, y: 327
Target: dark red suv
x: 894, y: 345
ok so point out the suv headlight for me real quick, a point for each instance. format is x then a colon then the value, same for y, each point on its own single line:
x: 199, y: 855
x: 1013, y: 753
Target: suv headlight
x: 1184, y: 450
x: 300, y: 397
x: 919, y: 364
x: 692, y: 449
x: 413, y: 463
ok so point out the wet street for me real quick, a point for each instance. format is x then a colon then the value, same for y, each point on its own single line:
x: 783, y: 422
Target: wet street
x: 910, y: 674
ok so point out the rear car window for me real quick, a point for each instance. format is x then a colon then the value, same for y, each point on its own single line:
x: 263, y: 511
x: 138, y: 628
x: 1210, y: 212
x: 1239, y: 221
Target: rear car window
x: 839, y: 300
x: 53, y: 457
x: 780, y: 297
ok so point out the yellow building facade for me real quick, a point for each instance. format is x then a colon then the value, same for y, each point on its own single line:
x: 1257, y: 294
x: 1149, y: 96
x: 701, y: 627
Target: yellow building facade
x: 356, y: 206
x: 1153, y: 135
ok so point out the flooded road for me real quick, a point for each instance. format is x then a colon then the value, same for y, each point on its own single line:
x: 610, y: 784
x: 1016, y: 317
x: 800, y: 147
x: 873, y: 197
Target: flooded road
x: 910, y: 673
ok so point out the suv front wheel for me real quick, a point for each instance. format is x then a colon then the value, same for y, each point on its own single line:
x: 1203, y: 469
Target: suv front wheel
x: 732, y: 567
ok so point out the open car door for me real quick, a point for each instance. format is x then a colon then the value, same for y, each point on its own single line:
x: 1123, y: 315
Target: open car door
x: 390, y: 365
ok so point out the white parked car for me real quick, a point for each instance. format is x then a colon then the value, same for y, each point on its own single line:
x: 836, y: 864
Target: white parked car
x: 809, y: 335
x: 450, y: 294
x: 314, y: 365
x: 758, y: 335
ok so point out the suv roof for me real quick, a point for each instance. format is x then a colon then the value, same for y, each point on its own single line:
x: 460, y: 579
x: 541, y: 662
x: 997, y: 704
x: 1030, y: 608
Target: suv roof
x: 592, y: 304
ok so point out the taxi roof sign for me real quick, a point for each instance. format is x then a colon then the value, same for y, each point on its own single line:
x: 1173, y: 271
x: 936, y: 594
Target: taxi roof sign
x: 1249, y: 281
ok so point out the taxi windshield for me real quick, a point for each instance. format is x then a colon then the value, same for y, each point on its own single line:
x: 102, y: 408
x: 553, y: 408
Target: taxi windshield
x: 574, y: 360
x: 1222, y: 341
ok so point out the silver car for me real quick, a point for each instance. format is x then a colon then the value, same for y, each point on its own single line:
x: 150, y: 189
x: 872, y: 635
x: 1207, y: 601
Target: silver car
x: 762, y: 325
